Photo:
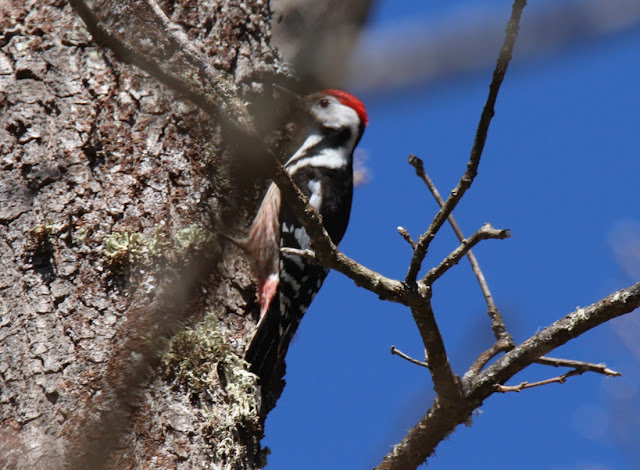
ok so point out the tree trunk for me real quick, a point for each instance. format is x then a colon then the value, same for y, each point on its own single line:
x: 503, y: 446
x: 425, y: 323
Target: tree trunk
x: 110, y: 190
x: 123, y: 317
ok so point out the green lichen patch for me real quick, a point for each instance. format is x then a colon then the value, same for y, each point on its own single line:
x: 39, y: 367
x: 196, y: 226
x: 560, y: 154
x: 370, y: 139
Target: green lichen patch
x: 122, y: 249
x: 159, y: 246
x: 194, y: 354
x: 192, y: 237
x: 202, y: 363
x: 125, y: 248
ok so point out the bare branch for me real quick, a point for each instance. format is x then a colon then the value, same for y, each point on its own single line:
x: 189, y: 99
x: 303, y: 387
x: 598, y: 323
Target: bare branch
x: 485, y: 357
x: 587, y: 366
x: 580, y: 367
x: 504, y: 340
x: 524, y: 385
x: 397, y: 352
x: 445, y: 382
x: 403, y: 232
x: 484, y: 233
x: 441, y: 420
x: 557, y: 334
x: 478, y: 145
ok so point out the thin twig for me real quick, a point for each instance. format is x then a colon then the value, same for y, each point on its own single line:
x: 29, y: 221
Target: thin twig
x: 484, y: 233
x: 405, y: 234
x: 524, y: 385
x: 504, y: 340
x: 587, y: 366
x: 579, y: 368
x: 440, y: 420
x: 397, y: 352
x: 476, y: 151
x: 475, y: 266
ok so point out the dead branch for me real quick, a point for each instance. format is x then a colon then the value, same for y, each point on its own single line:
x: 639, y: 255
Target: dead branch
x: 484, y: 233
x: 587, y: 366
x: 580, y: 368
x: 397, y: 352
x: 404, y: 234
x: 476, y: 151
x: 440, y: 420
x: 503, y: 338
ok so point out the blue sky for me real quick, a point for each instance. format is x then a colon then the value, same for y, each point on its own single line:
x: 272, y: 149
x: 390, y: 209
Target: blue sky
x: 560, y: 169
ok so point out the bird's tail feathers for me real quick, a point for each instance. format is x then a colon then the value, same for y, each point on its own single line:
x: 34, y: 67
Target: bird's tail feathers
x: 262, y: 352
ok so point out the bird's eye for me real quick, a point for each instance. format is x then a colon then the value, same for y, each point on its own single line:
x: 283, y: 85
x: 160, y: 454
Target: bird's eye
x: 324, y: 102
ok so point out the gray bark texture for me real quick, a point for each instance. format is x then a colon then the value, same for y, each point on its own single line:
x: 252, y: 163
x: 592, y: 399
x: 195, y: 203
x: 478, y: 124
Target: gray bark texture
x: 110, y: 189
x: 123, y: 317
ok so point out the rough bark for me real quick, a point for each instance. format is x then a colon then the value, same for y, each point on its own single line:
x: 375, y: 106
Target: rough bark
x: 123, y: 317
x: 110, y: 190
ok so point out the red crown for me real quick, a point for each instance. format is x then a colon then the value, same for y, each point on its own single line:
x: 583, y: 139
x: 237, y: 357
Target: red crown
x: 351, y: 101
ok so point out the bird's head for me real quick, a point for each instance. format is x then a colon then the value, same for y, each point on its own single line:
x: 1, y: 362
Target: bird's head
x: 337, y: 109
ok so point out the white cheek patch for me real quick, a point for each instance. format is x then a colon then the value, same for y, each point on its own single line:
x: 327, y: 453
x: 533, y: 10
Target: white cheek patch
x: 339, y: 115
x: 316, y: 194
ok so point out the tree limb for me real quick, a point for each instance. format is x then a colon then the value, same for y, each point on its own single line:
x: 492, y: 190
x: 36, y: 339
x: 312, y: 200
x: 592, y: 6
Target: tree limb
x: 478, y: 145
x: 440, y: 420
x: 504, y: 341
x: 484, y: 233
x: 395, y: 351
x: 557, y: 334
x: 587, y: 366
x: 445, y: 382
x: 580, y: 368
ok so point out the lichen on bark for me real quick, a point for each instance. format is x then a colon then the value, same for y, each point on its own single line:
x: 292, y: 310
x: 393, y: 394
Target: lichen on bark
x: 98, y: 161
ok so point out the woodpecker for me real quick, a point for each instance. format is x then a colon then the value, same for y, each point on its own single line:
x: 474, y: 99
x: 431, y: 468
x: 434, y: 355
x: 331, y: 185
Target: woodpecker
x: 323, y: 170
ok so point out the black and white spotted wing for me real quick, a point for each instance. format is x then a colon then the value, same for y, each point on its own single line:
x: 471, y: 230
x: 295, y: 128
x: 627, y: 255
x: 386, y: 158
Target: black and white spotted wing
x: 300, y: 281
x: 326, y: 178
